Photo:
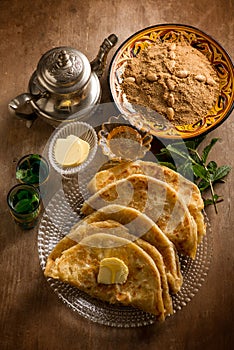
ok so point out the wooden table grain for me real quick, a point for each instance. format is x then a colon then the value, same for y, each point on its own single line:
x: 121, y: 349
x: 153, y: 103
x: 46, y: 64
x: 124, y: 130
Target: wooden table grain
x: 31, y: 315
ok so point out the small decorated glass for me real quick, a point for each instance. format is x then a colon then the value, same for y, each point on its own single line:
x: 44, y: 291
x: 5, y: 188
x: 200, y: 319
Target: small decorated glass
x: 24, y: 203
x: 32, y: 169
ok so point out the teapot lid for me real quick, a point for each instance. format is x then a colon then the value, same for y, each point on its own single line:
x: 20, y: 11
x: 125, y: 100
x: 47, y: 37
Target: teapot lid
x: 63, y: 70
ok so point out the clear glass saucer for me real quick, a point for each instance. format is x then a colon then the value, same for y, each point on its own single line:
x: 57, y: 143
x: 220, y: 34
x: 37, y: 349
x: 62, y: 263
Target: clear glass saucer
x: 60, y: 215
x: 80, y: 129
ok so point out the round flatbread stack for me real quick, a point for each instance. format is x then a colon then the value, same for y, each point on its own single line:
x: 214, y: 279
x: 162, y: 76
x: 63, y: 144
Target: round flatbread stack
x: 144, y: 215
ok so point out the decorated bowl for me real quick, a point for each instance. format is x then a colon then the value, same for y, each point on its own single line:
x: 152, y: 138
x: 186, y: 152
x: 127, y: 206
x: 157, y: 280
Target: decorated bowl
x: 156, y: 123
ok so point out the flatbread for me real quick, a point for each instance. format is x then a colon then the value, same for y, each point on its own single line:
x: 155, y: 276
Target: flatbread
x: 79, y: 266
x: 140, y: 226
x: 115, y: 228
x: 186, y: 189
x: 157, y: 200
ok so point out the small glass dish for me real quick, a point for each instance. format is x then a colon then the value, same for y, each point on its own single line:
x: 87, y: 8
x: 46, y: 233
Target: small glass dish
x: 121, y: 141
x: 80, y: 129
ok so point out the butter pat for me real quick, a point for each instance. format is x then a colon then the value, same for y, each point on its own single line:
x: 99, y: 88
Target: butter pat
x: 71, y: 151
x: 112, y: 270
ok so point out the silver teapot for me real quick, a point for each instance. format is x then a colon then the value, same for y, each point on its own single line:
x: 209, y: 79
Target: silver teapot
x: 63, y: 86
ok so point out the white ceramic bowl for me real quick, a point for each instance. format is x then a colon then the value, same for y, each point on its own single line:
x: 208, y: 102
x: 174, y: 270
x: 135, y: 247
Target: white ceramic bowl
x: 84, y: 131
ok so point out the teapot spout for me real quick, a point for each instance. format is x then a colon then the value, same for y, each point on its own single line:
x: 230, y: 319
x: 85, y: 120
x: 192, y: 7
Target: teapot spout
x: 99, y: 63
x: 21, y: 107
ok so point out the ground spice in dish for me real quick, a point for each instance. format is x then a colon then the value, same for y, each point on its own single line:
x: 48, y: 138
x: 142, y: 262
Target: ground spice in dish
x: 174, y: 79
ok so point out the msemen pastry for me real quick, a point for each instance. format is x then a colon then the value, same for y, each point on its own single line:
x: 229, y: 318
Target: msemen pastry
x: 86, y: 229
x: 79, y: 266
x: 157, y: 200
x: 114, y: 228
x: 186, y: 189
x: 140, y: 226
x: 124, y: 250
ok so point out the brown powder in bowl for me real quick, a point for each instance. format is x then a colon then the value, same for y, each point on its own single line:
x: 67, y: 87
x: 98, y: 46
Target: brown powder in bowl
x: 174, y: 79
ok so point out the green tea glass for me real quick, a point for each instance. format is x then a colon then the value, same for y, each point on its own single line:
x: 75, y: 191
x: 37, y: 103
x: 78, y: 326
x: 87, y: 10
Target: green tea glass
x: 32, y: 169
x: 24, y: 203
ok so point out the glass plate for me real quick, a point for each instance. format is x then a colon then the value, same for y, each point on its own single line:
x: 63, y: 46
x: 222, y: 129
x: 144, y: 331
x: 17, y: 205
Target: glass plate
x: 60, y: 215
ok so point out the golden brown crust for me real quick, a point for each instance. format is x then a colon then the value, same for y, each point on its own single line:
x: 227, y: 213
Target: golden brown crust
x: 115, y: 228
x: 186, y: 189
x: 140, y: 226
x: 79, y: 266
x: 156, y: 199
x: 141, y: 213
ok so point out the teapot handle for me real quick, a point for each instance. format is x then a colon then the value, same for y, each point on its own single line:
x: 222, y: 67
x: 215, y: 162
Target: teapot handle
x: 99, y: 63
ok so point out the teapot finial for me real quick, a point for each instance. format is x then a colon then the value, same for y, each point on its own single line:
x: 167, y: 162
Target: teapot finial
x: 63, y: 58
x: 63, y: 70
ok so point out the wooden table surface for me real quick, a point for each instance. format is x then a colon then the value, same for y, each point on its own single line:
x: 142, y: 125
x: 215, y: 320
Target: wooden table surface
x: 31, y: 315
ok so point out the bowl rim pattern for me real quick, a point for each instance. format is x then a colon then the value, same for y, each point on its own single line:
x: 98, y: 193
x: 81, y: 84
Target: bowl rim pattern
x: 208, y: 123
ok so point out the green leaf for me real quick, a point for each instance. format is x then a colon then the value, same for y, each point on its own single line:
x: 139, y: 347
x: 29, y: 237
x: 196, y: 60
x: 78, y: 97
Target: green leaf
x: 24, y: 206
x: 194, y: 156
x: 207, y: 149
x: 163, y: 150
x: 212, y: 166
x: 33, y: 179
x: 203, y: 185
x: 193, y: 144
x: 22, y: 194
x: 208, y: 202
x: 177, y: 155
x: 198, y: 141
x: 164, y: 156
x: 201, y: 172
x: 21, y: 174
x: 27, y: 176
x: 34, y: 200
x: 214, y: 200
x: 168, y: 164
x: 190, y: 144
x: 221, y: 172
x: 186, y: 170
x: 184, y: 158
x: 36, y: 157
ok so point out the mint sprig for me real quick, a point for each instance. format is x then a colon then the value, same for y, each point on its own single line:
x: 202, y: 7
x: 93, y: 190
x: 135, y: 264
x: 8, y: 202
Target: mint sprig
x: 25, y: 202
x: 191, y: 162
